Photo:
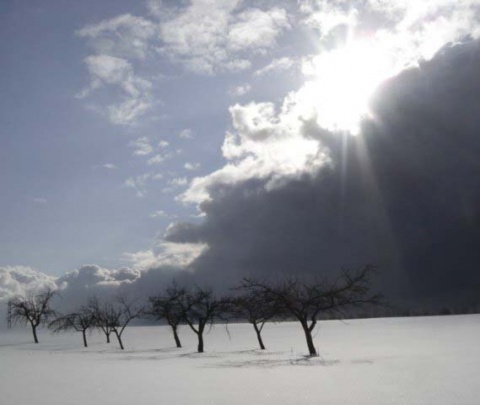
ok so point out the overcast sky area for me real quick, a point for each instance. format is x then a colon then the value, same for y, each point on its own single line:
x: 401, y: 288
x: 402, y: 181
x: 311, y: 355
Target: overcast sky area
x: 208, y: 140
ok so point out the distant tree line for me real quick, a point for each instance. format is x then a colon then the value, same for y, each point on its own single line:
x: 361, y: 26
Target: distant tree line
x: 256, y: 301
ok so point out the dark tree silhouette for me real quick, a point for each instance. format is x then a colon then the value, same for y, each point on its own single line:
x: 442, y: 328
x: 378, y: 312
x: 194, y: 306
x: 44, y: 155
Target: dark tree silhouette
x: 97, y: 311
x: 80, y: 321
x: 115, y: 316
x: 306, y: 301
x: 34, y: 310
x: 200, y: 308
x: 255, y: 309
x: 167, y: 307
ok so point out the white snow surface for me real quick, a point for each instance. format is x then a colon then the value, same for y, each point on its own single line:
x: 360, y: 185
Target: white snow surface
x: 422, y: 360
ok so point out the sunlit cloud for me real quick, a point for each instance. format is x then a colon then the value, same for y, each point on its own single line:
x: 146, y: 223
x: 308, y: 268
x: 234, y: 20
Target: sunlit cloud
x: 106, y: 70
x: 209, y: 37
x: 166, y: 254
x: 266, y: 144
x: 276, y: 66
x: 341, y: 78
x: 142, y: 146
x: 241, y: 90
x: 139, y: 183
x: 186, y: 133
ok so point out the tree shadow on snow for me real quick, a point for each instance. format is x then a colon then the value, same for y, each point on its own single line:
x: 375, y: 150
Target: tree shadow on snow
x: 275, y: 361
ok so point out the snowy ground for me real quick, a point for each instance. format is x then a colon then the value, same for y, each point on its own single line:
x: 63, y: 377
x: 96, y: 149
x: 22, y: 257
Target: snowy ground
x: 429, y: 360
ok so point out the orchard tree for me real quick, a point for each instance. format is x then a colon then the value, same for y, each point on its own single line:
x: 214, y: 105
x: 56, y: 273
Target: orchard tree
x: 114, y: 316
x: 200, y: 308
x: 306, y: 301
x: 167, y: 306
x: 97, y: 310
x: 255, y: 309
x: 80, y: 321
x: 34, y: 310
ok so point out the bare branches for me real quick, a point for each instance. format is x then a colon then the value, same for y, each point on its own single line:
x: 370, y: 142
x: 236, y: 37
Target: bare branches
x: 167, y: 306
x: 306, y: 301
x: 34, y: 310
x: 114, y: 316
x: 200, y: 308
x: 255, y: 309
x: 79, y: 321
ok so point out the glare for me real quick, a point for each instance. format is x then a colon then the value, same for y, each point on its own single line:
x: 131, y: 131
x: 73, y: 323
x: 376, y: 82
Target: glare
x: 342, y: 81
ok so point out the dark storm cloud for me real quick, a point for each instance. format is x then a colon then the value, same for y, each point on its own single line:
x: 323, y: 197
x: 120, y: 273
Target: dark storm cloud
x: 404, y: 196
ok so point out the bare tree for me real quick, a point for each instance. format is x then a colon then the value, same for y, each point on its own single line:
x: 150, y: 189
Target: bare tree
x: 200, y: 308
x: 34, y: 310
x: 167, y: 306
x: 254, y: 309
x: 97, y: 311
x: 115, y: 316
x: 80, y: 321
x: 306, y: 301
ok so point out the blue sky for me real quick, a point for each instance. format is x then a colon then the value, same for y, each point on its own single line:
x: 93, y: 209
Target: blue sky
x: 121, y: 120
x: 65, y: 161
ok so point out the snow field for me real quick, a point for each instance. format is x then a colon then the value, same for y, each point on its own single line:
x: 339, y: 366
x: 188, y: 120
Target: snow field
x: 424, y: 360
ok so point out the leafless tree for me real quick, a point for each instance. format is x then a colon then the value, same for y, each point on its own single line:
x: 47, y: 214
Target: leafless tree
x: 305, y: 301
x: 200, y: 308
x: 33, y: 309
x: 167, y: 306
x: 97, y: 310
x: 80, y: 321
x: 115, y: 316
x: 254, y: 309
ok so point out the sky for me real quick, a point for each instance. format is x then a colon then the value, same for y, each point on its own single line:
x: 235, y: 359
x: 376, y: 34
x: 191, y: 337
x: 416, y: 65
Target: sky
x: 210, y: 140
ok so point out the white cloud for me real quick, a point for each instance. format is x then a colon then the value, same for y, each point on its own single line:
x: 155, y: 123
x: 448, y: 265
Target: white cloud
x: 163, y: 144
x: 125, y: 36
x: 178, y: 182
x: 106, y: 70
x: 186, y: 134
x: 240, y: 90
x: 411, y: 31
x: 158, y: 214
x: 142, y: 146
x: 257, y: 30
x: 166, y: 254
x: 21, y: 280
x: 209, y: 36
x: 277, y: 66
x: 109, y: 166
x: 266, y: 144
x: 155, y: 160
x: 79, y: 285
x: 128, y: 111
x: 89, y: 276
x: 157, y: 176
x: 155, y: 7
x: 139, y: 183
x: 191, y: 166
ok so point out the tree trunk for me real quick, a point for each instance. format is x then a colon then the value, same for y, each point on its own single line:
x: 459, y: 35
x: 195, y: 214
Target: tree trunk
x: 108, y: 337
x: 175, y: 336
x: 200, y: 342
x: 259, y: 336
x: 34, y: 330
x: 84, y: 339
x: 308, y: 336
x: 119, y: 338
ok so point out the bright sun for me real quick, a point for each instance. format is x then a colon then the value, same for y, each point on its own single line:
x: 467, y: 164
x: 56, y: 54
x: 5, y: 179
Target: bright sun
x: 341, y: 82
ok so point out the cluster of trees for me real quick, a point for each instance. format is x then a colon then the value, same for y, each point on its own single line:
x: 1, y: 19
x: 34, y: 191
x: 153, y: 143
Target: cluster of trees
x: 253, y: 300
x: 108, y: 317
